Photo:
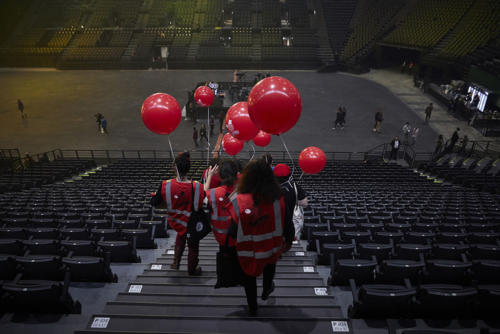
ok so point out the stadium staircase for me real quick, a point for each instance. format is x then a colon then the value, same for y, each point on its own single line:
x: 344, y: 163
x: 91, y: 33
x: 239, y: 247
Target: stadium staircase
x: 170, y: 301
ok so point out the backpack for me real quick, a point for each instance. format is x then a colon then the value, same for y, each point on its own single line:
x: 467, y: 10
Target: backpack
x: 198, y: 225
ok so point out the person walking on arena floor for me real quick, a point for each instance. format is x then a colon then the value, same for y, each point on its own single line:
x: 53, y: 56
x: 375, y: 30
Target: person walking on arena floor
x: 259, y: 210
x: 453, y: 141
x: 181, y: 196
x: 439, y: 146
x: 20, y: 106
x: 195, y: 136
x: 394, y: 148
x: 104, y: 126
x: 428, y: 112
x: 98, y: 118
x: 203, y: 132
x: 379, y: 117
x: 340, y: 119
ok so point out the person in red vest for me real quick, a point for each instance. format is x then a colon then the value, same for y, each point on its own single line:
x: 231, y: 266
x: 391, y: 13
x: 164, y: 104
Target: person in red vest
x: 219, y: 199
x: 215, y: 180
x: 259, y: 210
x: 180, y: 194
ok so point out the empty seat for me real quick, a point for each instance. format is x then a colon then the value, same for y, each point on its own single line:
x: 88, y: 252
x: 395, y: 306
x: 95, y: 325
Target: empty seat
x: 447, y: 271
x: 397, y: 270
x: 488, y: 301
x: 12, y: 233
x: 43, y: 233
x: 89, y: 269
x: 41, y: 267
x: 485, y: 251
x: 156, y: 228
x: 11, y: 247
x: 360, y: 270
x: 334, y: 251
x: 43, y: 246
x: 412, y: 251
x: 121, y: 251
x: 384, y: 237
x: 449, y: 251
x: 420, y: 237
x: 323, y: 237
x: 97, y: 224
x: 444, y: 301
x: 79, y: 247
x: 141, y: 237
x: 380, y: 251
x: 125, y: 224
x: 75, y: 233
x: 381, y: 301
x: 7, y: 267
x: 105, y: 234
x: 486, y: 271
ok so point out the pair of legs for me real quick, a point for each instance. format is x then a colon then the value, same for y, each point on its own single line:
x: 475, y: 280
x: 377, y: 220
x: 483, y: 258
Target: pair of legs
x: 394, y: 154
x: 193, y: 250
x: 250, y: 285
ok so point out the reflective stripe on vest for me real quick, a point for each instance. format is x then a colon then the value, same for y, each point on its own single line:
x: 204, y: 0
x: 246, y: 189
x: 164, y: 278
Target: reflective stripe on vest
x: 214, y: 204
x: 278, y: 232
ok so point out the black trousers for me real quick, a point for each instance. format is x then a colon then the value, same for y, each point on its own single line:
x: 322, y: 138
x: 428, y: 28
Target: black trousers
x: 250, y: 284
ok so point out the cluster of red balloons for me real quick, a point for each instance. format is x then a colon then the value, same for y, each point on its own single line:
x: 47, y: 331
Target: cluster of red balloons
x: 274, y: 107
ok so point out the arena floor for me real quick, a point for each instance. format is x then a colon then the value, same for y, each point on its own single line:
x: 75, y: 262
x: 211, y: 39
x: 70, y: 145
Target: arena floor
x: 60, y: 106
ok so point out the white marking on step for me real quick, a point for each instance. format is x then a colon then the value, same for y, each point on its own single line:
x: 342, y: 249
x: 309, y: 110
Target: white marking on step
x: 308, y: 269
x: 320, y: 292
x: 100, y: 323
x: 299, y: 254
x: 156, y: 267
x: 135, y: 289
x: 340, y: 326
x: 170, y: 252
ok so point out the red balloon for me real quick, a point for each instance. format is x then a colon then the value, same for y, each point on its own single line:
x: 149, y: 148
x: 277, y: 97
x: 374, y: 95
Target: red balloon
x: 238, y: 122
x: 312, y: 160
x: 231, y: 145
x: 204, y: 96
x: 262, y: 139
x: 274, y: 105
x: 161, y: 113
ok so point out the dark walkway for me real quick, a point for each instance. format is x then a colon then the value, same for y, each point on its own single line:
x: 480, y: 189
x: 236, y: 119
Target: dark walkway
x: 61, y: 104
x: 167, y: 301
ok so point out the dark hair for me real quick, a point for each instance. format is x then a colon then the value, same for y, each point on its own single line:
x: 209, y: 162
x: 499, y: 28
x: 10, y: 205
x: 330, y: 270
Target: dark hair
x: 183, y: 163
x: 258, y: 179
x: 228, y: 171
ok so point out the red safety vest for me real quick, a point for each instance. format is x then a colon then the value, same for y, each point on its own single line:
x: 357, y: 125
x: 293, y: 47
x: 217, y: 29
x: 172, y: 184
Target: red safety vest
x: 260, y: 233
x: 219, y: 201
x: 178, y: 196
x: 214, y: 183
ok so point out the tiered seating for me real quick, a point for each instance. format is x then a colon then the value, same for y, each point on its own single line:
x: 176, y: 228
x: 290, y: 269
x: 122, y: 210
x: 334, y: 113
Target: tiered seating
x: 298, y: 13
x: 94, y: 54
x: 241, y: 37
x: 289, y: 53
x: 120, y: 38
x: 242, y: 16
x: 482, y: 174
x: 374, y: 18
x: 477, y: 27
x: 89, y: 37
x: 428, y: 22
x: 338, y: 15
x: 61, y: 38
x: 103, y: 14
x: 223, y: 53
x: 126, y: 12
x: 304, y: 37
x: 212, y: 17
x: 42, y: 173
x: 11, y: 12
x: 271, y: 13
x: 30, y: 37
x: 210, y: 37
x: 271, y: 37
x: 406, y: 246
x: 162, y: 13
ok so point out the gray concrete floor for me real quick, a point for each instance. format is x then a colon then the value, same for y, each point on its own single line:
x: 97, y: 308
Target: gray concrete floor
x: 60, y: 106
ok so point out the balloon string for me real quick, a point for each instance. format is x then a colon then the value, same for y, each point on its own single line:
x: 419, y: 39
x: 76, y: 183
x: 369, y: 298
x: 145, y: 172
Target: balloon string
x: 208, y: 137
x: 291, y: 160
x: 253, y: 148
x: 172, y: 154
x: 300, y: 178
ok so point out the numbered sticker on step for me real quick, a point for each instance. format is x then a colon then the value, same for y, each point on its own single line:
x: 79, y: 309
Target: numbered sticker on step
x: 308, y: 269
x: 100, y: 323
x: 170, y: 252
x: 156, y: 267
x: 300, y: 253
x: 135, y: 289
x: 295, y: 242
x: 340, y: 326
x: 320, y: 291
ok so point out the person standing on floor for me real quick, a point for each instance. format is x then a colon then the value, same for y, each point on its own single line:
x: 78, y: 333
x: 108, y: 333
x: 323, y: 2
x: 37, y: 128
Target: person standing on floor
x: 414, y: 135
x: 104, y: 126
x: 20, y: 106
x: 212, y: 124
x: 394, y: 148
x: 379, y: 117
x: 428, y: 112
x: 259, y: 210
x: 195, y: 136
x: 406, y: 132
x: 203, y: 132
x: 439, y: 145
x: 98, y: 118
x: 181, y: 195
x: 453, y: 140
